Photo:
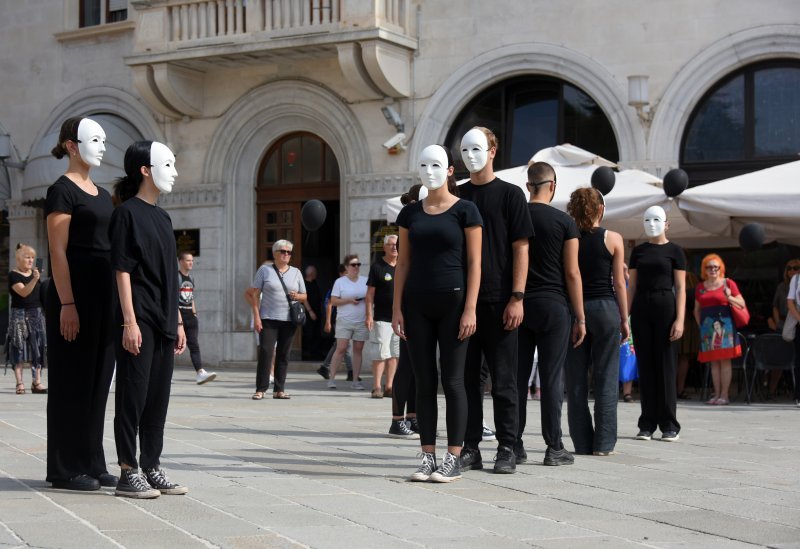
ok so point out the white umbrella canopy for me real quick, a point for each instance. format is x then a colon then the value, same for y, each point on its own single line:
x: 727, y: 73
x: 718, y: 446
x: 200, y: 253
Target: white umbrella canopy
x: 770, y: 197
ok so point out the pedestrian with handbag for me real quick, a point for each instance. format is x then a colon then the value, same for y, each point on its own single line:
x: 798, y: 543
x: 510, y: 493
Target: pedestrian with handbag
x: 277, y: 313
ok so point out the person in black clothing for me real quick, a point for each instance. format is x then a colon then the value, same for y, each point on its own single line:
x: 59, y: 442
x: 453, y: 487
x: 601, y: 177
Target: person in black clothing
x: 188, y: 307
x: 78, y: 313
x: 657, y: 295
x: 601, y: 256
x: 553, y: 278
x: 380, y: 293
x: 436, y: 289
x: 312, y: 329
x: 149, y: 329
x: 504, y: 265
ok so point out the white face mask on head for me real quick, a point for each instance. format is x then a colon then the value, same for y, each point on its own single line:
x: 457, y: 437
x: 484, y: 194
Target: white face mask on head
x: 474, y: 150
x: 91, y: 142
x: 433, y: 167
x: 655, y: 221
x: 162, y: 167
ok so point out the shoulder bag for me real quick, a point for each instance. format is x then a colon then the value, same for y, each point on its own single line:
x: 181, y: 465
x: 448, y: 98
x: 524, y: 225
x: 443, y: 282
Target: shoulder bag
x: 297, y: 312
x: 741, y: 317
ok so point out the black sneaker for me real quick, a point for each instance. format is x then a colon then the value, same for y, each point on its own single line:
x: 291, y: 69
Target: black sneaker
x: 133, y: 485
x: 448, y: 471
x: 487, y: 435
x: 400, y: 429
x: 158, y: 480
x: 670, y: 436
x: 471, y: 459
x: 81, y: 483
x: 324, y: 372
x: 558, y: 457
x: 519, y: 453
x: 426, y: 468
x: 412, y: 424
x: 644, y: 435
x: 504, y: 461
x: 107, y: 479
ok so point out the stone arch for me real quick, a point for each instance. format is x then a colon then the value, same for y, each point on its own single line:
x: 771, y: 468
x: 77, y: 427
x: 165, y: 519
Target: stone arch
x: 703, y: 71
x: 528, y: 59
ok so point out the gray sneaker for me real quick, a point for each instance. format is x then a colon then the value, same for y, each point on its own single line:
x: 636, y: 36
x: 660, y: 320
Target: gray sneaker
x: 133, y: 485
x: 426, y: 468
x: 205, y: 377
x: 158, y: 480
x: 448, y: 471
x: 558, y: 457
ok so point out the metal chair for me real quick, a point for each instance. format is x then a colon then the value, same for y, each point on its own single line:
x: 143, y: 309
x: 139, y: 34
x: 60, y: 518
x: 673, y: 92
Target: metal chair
x: 771, y: 352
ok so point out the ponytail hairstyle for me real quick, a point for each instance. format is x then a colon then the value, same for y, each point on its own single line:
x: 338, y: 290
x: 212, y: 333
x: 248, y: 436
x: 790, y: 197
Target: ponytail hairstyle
x: 584, y: 207
x: 412, y: 195
x: 136, y: 156
x: 69, y: 132
x: 452, y: 186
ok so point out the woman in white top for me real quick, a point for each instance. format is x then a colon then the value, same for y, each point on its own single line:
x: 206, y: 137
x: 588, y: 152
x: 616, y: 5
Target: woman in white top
x: 348, y: 296
x: 271, y: 316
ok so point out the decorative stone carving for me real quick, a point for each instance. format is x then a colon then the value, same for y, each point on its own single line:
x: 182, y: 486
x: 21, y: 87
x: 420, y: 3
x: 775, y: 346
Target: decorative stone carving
x: 194, y: 197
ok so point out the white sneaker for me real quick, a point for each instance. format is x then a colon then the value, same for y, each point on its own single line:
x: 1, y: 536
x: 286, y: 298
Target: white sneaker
x: 331, y: 384
x: 487, y: 435
x: 204, y: 377
x: 357, y: 385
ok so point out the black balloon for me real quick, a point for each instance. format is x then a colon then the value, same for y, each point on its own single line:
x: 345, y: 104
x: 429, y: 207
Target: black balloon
x: 751, y: 237
x: 603, y: 179
x: 313, y: 215
x: 675, y: 182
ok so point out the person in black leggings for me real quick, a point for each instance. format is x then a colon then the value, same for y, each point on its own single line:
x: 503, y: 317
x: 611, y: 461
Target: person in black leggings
x: 657, y: 295
x: 436, y: 290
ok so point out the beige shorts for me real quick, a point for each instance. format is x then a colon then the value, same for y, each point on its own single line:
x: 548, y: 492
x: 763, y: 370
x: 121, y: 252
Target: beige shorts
x: 385, y: 343
x: 347, y: 329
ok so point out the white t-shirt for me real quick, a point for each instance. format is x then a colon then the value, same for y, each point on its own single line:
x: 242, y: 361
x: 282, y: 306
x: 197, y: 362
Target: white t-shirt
x: 344, y: 288
x: 794, y: 290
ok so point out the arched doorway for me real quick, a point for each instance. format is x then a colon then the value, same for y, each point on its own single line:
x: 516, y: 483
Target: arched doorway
x: 297, y: 168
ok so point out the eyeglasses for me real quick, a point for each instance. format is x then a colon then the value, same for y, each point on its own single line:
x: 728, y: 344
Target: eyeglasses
x: 712, y: 267
x: 354, y: 264
x: 793, y: 267
x: 285, y: 252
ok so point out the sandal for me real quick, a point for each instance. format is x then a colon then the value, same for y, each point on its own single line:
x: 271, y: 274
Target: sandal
x: 38, y: 388
x: 627, y: 398
x: 258, y: 395
x: 20, y: 388
x: 721, y: 402
x: 377, y: 393
x: 281, y: 396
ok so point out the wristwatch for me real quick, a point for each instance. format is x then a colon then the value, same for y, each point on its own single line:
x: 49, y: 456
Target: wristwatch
x: 519, y: 296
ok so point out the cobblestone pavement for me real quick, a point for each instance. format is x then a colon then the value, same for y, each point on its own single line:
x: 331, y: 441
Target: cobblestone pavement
x: 319, y: 471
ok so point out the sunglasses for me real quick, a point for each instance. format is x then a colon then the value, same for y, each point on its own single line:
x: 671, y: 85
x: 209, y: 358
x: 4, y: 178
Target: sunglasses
x: 793, y: 267
x: 354, y: 264
x: 285, y: 252
x: 712, y: 267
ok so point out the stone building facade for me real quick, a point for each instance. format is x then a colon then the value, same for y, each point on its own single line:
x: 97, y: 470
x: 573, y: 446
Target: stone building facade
x: 270, y: 103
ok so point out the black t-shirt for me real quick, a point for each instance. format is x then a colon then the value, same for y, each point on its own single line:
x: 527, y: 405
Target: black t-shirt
x: 91, y: 215
x: 546, y: 251
x: 17, y: 301
x: 381, y: 277
x: 654, y: 264
x: 144, y: 246
x: 438, y: 245
x: 185, y: 291
x: 505, y: 220
x: 314, y: 296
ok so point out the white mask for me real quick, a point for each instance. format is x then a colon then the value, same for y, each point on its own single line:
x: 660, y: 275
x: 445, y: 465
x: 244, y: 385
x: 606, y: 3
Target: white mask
x: 162, y: 167
x: 423, y: 193
x: 91, y: 142
x: 433, y: 167
x: 474, y: 150
x: 655, y: 220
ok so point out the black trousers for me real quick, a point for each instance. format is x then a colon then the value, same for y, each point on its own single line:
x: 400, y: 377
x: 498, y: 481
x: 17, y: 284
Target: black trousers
x: 80, y: 371
x: 546, y: 326
x: 433, y: 318
x: 499, y: 346
x: 404, y: 387
x: 280, y: 332
x: 142, y: 397
x: 652, y: 316
x: 192, y: 329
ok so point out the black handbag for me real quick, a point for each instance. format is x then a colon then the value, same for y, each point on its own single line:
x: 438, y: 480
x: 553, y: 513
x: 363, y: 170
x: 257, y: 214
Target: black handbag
x: 297, y: 311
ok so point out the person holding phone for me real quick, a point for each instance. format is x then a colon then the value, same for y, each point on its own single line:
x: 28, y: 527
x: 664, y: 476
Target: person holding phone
x: 348, y: 296
x: 25, y: 342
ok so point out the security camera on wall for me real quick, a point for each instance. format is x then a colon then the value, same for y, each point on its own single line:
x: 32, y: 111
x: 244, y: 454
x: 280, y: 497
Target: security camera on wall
x: 395, y: 142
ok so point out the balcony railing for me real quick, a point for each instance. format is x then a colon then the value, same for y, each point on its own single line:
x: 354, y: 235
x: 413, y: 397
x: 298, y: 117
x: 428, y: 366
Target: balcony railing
x: 190, y: 20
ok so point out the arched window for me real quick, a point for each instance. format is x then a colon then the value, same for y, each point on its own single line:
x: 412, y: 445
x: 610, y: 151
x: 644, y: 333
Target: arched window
x: 299, y: 159
x: 748, y: 121
x: 530, y: 113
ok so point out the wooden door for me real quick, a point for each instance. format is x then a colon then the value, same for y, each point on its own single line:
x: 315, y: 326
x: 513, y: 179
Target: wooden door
x: 278, y: 221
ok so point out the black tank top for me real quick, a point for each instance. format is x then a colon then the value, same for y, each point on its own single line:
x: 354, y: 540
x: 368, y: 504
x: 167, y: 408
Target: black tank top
x: 594, y: 260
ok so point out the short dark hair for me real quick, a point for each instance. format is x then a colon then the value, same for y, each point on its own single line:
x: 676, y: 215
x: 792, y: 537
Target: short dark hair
x: 182, y: 255
x: 539, y: 173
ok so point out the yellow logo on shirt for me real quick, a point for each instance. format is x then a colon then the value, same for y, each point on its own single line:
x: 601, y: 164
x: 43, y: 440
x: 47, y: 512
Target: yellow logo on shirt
x: 387, y: 277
